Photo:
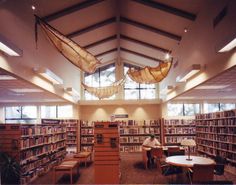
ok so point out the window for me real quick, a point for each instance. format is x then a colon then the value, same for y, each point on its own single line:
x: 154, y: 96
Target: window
x: 65, y: 111
x: 174, y: 109
x: 21, y: 114
x: 104, y: 76
x: 191, y: 109
x: 227, y: 106
x: 214, y: 107
x: 133, y: 90
x: 48, y: 112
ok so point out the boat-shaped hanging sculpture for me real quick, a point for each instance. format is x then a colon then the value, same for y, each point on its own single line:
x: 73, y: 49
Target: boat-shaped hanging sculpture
x: 68, y: 48
x: 150, y: 75
x: 105, y: 92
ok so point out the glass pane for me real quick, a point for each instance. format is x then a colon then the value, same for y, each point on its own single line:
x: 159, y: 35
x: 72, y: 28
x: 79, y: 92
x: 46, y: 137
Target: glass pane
x: 227, y: 106
x: 148, y: 93
x: 88, y: 96
x: 48, y: 112
x: 208, y: 108
x: 92, y: 80
x: 129, y: 83
x: 191, y: 109
x: 107, y: 77
x: 65, y: 111
x: 131, y: 94
x: 29, y: 112
x: 13, y: 112
x: 148, y: 86
x: 175, y: 109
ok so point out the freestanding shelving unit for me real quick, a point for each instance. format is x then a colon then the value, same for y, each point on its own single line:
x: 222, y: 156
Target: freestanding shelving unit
x: 106, y: 153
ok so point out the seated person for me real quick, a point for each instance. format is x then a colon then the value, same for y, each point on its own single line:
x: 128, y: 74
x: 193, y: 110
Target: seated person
x: 150, y: 142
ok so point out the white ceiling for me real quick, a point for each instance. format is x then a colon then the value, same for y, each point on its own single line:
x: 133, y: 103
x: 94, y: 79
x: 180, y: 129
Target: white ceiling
x: 224, y: 84
x: 8, y: 95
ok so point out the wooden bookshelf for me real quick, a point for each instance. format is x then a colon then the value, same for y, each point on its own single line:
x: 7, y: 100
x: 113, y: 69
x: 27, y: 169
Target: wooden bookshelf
x: 37, y: 148
x: 72, y: 134
x: 216, y: 134
x: 86, y: 135
x: 133, y: 133
x: 175, y: 130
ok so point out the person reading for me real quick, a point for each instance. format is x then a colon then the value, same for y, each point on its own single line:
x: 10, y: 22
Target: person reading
x: 150, y: 142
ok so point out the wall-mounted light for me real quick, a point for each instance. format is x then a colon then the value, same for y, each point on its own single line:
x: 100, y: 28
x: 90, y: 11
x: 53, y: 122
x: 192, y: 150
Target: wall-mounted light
x: 9, y: 48
x: 49, y: 75
x: 230, y: 45
x: 194, y: 69
x: 72, y: 91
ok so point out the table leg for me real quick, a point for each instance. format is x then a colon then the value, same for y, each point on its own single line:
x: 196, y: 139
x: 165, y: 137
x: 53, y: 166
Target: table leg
x: 71, y: 176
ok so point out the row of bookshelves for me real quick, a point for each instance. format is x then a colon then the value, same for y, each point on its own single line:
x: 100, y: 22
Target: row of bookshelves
x: 223, y: 114
x: 173, y: 140
x: 216, y: 134
x: 139, y: 130
x: 180, y: 130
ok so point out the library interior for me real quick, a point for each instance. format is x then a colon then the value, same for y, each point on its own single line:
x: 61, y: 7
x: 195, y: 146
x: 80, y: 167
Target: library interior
x: 117, y: 92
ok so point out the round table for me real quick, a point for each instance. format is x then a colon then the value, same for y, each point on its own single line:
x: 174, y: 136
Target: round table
x: 180, y: 160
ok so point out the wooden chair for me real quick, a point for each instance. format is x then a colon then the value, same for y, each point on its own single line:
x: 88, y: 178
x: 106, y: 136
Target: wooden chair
x: 201, y: 173
x: 157, y: 154
x: 144, y: 156
x: 171, y: 151
x: 220, y: 166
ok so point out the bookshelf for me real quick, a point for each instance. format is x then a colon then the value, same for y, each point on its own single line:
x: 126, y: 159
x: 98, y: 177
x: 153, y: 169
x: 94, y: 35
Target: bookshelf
x: 133, y: 133
x: 72, y: 134
x: 175, y: 130
x: 86, y: 135
x: 37, y: 148
x: 216, y: 134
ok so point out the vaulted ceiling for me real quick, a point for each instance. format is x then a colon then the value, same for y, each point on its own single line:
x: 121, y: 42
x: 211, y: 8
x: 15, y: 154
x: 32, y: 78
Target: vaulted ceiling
x: 139, y: 31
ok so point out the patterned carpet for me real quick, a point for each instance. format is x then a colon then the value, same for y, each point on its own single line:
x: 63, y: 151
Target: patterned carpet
x: 132, y: 172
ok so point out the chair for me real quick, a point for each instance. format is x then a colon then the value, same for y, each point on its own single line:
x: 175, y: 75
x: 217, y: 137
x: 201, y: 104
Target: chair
x: 171, y: 151
x: 220, y: 166
x: 201, y: 173
x: 157, y: 154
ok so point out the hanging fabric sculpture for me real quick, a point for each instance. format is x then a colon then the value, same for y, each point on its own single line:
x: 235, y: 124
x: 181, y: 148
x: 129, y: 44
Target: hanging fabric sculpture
x: 105, y: 92
x: 68, y: 48
x: 150, y: 75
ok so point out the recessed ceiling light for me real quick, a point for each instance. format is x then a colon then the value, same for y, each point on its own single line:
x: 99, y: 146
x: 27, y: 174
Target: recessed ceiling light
x: 167, y: 56
x: 185, y: 30
x: 7, y: 77
x: 33, y: 7
x: 212, y: 86
x: 26, y: 90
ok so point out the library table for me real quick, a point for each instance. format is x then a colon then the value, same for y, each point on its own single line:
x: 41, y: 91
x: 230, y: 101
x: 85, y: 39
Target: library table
x: 181, y: 160
x: 66, y: 166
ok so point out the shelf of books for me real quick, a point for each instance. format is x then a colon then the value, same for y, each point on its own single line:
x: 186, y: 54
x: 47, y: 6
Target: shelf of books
x: 216, y: 134
x: 133, y: 133
x: 72, y: 134
x: 86, y: 135
x: 37, y: 148
x: 175, y: 130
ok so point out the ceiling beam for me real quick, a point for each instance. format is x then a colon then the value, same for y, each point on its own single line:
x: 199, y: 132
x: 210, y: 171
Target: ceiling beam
x: 113, y: 37
x: 92, y: 27
x: 150, y: 28
x: 71, y: 9
x: 144, y: 44
x: 169, y: 9
x: 141, y: 55
x: 106, y: 52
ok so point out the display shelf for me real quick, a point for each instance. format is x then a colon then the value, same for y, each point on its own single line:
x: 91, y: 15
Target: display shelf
x: 216, y: 134
x: 86, y: 135
x: 37, y: 148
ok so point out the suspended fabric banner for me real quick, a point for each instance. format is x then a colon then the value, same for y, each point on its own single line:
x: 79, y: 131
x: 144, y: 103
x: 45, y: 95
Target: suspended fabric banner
x: 68, y: 48
x: 105, y: 92
x: 150, y: 75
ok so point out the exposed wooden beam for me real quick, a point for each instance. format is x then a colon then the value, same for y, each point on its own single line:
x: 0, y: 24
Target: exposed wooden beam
x: 71, y: 9
x: 92, y: 27
x: 101, y: 41
x: 150, y: 28
x: 144, y: 44
x: 141, y: 55
x: 169, y: 9
x: 106, y: 52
